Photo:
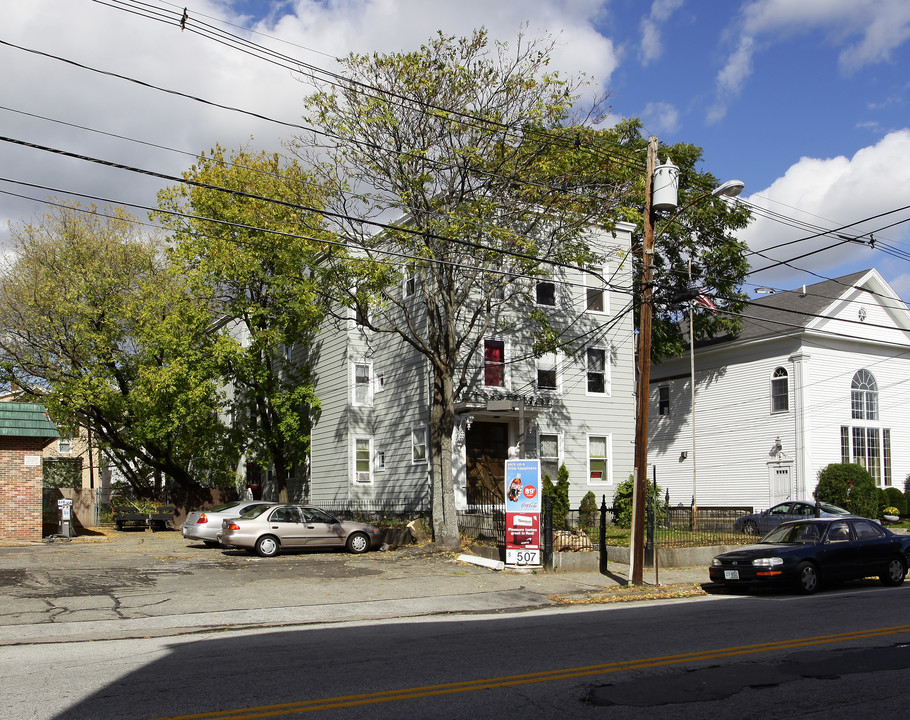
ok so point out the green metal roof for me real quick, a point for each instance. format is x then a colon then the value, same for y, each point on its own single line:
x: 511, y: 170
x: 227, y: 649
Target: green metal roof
x: 26, y: 420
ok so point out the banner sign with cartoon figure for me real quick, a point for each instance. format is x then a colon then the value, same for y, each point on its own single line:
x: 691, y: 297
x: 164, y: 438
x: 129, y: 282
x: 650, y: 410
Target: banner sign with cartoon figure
x: 522, y: 512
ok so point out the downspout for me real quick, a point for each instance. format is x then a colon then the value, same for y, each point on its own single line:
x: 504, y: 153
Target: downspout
x: 802, y: 449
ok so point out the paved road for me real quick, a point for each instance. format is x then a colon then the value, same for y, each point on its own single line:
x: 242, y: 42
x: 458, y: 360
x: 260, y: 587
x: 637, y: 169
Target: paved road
x: 140, y: 583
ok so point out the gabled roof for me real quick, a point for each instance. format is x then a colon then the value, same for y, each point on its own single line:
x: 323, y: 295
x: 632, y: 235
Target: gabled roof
x: 19, y: 419
x: 794, y: 310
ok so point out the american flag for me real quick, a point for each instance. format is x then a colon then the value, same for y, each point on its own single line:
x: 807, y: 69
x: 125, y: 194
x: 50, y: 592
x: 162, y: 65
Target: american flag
x: 706, y: 301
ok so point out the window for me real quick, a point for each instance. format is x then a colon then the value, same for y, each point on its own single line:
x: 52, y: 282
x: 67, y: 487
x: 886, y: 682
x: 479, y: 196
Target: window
x: 548, y: 454
x: 596, y: 361
x: 663, y: 400
x: 546, y: 372
x: 410, y: 285
x: 864, y: 396
x: 363, y: 460
x: 598, y: 459
x: 380, y: 460
x: 595, y: 293
x: 363, y: 384
x: 65, y: 445
x: 418, y: 445
x: 494, y: 366
x: 780, y: 391
x: 869, y: 447
x: 546, y: 293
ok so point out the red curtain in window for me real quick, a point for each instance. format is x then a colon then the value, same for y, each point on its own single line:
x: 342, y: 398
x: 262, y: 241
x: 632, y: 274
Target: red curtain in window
x: 493, y: 362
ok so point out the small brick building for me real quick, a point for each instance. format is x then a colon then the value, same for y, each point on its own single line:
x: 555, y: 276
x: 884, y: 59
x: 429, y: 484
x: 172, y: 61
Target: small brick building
x: 25, y: 430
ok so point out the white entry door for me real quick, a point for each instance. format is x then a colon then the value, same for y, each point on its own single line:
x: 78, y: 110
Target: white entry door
x: 781, y: 488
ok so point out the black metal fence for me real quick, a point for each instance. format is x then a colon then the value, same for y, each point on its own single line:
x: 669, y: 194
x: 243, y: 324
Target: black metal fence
x: 667, y: 527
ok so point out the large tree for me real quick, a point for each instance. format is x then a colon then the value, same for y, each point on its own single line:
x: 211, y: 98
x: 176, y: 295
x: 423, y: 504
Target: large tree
x: 246, y: 240
x: 94, y: 325
x: 695, y: 244
x: 445, y: 143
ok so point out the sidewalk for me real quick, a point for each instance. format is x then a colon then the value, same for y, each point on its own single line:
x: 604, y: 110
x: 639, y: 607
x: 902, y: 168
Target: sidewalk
x: 137, y: 584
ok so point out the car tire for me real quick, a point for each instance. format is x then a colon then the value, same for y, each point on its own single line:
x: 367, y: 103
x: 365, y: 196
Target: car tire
x: 750, y: 528
x: 807, y: 578
x: 895, y: 573
x: 358, y: 543
x: 267, y: 546
x: 211, y: 543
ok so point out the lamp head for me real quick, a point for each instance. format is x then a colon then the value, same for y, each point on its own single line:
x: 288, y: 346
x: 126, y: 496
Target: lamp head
x: 731, y: 188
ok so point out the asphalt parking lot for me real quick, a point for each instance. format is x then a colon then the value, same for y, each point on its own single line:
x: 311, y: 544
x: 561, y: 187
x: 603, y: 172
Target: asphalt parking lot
x: 124, y: 583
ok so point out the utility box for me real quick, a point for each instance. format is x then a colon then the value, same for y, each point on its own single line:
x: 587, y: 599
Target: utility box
x: 664, y: 192
x: 65, y: 517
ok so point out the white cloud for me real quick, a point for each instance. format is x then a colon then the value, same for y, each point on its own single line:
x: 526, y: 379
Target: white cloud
x: 109, y: 39
x: 651, y: 41
x: 832, y: 193
x: 660, y: 118
x: 866, y: 31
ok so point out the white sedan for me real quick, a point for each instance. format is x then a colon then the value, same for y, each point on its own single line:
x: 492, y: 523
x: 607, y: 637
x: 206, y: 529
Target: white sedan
x: 205, y: 525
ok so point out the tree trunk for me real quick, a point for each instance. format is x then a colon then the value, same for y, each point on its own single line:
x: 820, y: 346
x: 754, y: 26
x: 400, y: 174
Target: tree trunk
x: 442, y: 423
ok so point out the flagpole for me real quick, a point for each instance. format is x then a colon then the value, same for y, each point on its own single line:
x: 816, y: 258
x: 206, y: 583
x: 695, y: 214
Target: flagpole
x: 692, y: 383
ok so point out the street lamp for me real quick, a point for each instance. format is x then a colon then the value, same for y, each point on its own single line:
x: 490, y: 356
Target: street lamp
x: 731, y: 188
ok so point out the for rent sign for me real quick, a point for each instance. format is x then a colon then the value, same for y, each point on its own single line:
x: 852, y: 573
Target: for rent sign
x: 522, y: 512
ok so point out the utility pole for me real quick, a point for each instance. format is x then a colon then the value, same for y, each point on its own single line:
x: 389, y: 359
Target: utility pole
x: 640, y: 494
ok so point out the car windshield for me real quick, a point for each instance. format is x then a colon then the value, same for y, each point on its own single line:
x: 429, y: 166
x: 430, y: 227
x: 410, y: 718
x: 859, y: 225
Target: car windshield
x: 833, y: 509
x: 254, y: 511
x: 794, y: 533
x: 226, y: 506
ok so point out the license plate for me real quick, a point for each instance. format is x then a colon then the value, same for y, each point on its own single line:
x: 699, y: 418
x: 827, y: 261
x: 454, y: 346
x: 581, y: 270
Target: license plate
x: 731, y: 574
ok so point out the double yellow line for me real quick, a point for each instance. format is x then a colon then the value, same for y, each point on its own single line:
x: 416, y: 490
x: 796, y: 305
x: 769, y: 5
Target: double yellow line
x: 347, y: 701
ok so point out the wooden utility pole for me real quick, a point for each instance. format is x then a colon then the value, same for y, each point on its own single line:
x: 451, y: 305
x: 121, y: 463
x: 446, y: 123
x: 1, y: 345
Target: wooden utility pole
x: 640, y: 494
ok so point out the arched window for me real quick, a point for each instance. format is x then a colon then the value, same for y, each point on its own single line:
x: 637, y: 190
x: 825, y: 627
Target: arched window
x: 780, y: 390
x: 864, y: 396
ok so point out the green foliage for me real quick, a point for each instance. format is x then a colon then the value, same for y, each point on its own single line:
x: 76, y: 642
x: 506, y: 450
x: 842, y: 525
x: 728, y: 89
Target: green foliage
x: 849, y: 486
x: 559, y: 497
x: 94, y: 324
x: 704, y: 230
x: 623, y: 501
x: 897, y: 499
x: 588, y: 511
x: 454, y: 167
x: 255, y: 254
x: 62, y: 473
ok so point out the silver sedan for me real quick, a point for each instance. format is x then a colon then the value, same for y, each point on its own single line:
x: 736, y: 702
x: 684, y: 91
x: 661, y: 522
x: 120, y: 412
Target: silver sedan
x: 272, y: 529
x: 205, y: 525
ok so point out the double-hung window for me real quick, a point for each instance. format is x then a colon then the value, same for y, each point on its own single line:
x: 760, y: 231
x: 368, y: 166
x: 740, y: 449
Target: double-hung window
x: 547, y: 377
x: 418, y: 445
x: 363, y: 460
x: 599, y: 470
x: 494, y: 363
x: 596, y: 369
x: 596, y: 298
x: 549, y: 455
x: 363, y: 384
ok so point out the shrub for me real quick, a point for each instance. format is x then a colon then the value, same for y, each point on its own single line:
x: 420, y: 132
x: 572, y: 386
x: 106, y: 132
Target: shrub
x: 623, y: 501
x: 896, y: 499
x: 850, y: 486
x: 559, y: 497
x: 881, y: 499
x: 588, y: 511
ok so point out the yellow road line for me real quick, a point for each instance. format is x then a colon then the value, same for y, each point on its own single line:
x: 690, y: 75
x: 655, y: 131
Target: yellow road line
x: 385, y: 696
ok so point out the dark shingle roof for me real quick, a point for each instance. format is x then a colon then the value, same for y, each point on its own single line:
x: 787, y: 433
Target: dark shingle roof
x: 789, y: 311
x: 26, y: 420
x: 793, y: 310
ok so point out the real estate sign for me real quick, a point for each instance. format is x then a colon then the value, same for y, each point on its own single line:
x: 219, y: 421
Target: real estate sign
x: 522, y: 512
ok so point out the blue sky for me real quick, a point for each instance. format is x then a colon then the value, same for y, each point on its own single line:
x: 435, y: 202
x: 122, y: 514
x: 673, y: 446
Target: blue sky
x: 806, y: 102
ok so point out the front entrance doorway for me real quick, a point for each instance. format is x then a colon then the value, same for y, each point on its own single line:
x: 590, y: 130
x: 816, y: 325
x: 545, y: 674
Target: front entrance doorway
x: 780, y: 483
x: 486, y: 450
